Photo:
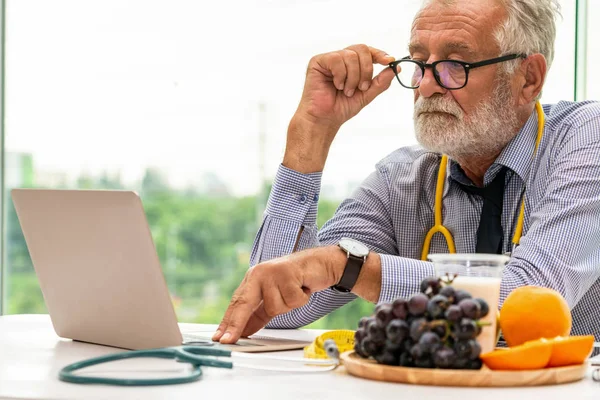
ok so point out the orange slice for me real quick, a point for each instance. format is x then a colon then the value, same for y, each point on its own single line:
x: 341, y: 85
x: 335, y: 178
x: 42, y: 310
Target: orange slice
x: 570, y: 350
x: 531, y: 355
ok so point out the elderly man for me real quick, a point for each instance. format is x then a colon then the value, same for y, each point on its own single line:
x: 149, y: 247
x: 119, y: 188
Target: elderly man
x: 476, y: 69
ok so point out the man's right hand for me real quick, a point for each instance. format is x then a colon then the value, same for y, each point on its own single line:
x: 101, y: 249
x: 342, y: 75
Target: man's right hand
x: 338, y: 85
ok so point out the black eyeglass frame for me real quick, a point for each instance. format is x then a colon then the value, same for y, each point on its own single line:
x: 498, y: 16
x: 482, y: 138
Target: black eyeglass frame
x: 466, y: 65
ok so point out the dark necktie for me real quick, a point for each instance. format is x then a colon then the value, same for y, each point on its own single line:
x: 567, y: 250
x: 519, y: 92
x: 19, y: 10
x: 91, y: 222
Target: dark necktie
x: 489, y: 233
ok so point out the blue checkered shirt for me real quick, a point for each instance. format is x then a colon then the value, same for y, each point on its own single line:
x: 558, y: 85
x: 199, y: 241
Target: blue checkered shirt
x: 392, y: 210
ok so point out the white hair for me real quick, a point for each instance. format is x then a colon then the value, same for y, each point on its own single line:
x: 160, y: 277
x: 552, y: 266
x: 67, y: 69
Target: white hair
x: 529, y: 28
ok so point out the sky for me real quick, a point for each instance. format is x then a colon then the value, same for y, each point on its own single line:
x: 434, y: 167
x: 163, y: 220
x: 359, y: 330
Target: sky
x: 121, y: 85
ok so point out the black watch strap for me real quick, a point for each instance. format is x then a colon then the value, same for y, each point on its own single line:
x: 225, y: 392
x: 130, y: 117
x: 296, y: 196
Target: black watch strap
x: 350, y: 275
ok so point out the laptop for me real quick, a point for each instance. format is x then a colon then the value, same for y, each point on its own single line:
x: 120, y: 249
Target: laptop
x: 100, y: 275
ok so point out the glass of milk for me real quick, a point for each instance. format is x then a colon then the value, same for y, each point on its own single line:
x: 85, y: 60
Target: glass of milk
x: 480, y: 275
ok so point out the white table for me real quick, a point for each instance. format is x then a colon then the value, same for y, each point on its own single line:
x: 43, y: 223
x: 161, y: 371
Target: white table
x: 31, y: 355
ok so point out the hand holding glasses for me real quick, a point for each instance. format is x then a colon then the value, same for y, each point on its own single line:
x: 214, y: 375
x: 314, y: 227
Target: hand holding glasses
x: 449, y: 74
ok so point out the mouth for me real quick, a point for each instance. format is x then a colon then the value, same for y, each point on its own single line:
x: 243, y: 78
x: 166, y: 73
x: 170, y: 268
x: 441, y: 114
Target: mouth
x: 436, y: 113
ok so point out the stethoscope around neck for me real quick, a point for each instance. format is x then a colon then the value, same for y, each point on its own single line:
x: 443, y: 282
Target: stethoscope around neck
x: 439, y: 227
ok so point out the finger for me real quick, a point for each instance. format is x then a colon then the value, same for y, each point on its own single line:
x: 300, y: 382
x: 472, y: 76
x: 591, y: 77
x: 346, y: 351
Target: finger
x: 273, y: 303
x: 397, y: 69
x: 219, y: 332
x: 294, y: 296
x: 379, y: 85
x: 225, y: 320
x: 380, y: 56
x: 353, y: 71
x: 257, y: 321
x: 333, y: 64
x: 365, y: 61
x: 240, y: 310
x: 223, y: 325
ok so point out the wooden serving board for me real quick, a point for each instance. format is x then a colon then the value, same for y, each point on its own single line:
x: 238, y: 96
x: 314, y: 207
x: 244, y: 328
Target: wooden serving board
x: 369, y: 369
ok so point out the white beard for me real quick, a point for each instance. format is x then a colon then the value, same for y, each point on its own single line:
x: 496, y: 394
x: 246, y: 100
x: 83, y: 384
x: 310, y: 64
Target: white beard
x: 448, y: 131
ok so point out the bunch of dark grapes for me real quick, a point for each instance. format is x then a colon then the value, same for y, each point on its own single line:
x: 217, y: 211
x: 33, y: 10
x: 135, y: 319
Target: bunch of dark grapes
x: 436, y: 328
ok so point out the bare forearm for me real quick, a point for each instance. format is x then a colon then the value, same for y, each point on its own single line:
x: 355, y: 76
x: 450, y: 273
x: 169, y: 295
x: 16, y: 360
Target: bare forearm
x: 308, y: 144
x: 368, y: 285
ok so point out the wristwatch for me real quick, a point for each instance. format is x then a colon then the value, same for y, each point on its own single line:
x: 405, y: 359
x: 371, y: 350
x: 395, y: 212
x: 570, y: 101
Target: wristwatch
x: 357, y: 255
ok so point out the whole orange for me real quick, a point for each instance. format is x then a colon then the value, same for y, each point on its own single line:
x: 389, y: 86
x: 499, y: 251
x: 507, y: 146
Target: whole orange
x: 534, y: 312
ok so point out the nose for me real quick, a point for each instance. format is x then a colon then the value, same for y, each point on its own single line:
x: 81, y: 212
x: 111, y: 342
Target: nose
x: 429, y: 86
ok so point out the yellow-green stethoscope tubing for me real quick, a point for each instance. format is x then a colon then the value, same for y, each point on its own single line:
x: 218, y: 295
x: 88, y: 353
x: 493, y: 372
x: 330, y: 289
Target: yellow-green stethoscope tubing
x: 439, y: 227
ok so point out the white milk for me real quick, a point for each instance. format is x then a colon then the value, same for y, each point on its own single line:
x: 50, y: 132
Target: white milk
x: 487, y: 288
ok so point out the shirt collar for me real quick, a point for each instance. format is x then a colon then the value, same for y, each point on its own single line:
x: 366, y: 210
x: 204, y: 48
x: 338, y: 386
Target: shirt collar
x: 517, y: 155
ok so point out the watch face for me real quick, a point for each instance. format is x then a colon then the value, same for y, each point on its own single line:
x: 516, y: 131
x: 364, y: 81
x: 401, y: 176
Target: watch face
x: 354, y: 247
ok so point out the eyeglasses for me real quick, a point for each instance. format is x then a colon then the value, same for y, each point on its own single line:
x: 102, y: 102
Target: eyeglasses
x: 449, y: 74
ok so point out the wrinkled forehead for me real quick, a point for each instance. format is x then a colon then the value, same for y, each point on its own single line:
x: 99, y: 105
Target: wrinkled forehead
x: 463, y: 26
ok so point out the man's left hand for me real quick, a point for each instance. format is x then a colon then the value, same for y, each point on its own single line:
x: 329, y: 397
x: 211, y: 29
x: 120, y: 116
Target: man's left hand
x: 277, y: 286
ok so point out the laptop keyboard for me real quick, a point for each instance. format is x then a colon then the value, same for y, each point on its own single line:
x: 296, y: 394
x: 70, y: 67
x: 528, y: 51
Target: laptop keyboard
x: 199, y: 339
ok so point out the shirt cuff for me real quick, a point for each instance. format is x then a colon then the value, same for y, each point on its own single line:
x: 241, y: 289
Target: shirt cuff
x: 401, y: 277
x: 294, y: 196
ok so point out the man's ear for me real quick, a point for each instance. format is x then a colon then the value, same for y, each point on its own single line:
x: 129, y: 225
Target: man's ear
x: 533, y: 70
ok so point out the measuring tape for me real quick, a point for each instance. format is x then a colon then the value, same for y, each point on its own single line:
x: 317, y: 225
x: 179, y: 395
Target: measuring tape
x: 344, y: 340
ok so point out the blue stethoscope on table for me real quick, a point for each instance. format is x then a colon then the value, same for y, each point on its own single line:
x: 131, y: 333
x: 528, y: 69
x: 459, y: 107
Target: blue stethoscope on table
x: 205, y: 354
x: 439, y: 227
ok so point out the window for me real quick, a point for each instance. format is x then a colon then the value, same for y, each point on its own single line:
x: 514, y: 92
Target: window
x: 188, y: 102
x: 592, y: 83
x: 561, y: 76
